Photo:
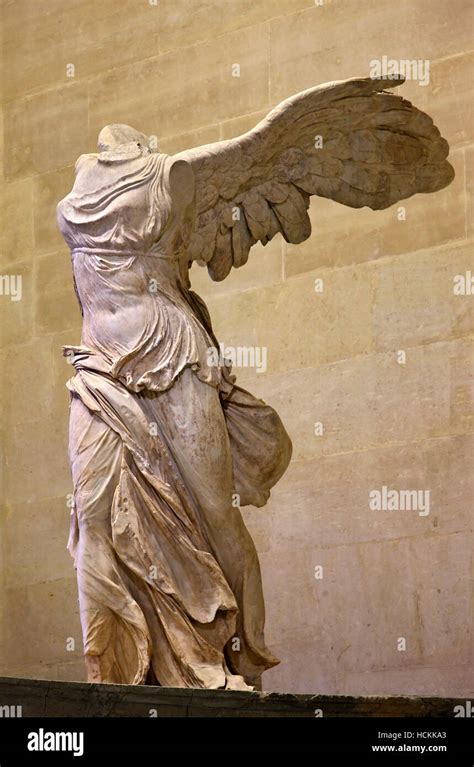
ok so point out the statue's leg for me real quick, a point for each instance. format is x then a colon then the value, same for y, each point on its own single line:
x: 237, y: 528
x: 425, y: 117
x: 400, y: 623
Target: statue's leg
x: 192, y: 415
x: 118, y: 615
x: 95, y: 454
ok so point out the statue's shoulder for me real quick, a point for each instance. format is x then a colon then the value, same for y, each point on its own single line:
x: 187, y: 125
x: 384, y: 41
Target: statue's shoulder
x: 85, y: 159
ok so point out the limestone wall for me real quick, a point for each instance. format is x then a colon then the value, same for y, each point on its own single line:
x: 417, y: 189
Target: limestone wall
x: 333, y: 356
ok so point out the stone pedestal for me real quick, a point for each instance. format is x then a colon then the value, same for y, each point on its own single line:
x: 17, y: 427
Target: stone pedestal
x: 42, y: 698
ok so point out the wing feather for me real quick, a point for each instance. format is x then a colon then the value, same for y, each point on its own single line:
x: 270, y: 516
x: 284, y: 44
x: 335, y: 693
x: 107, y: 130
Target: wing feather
x: 350, y: 141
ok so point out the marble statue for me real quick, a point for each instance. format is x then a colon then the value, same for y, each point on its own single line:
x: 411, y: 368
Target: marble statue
x: 162, y: 441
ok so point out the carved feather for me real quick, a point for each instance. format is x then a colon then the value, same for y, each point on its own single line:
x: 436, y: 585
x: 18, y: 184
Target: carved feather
x: 349, y: 141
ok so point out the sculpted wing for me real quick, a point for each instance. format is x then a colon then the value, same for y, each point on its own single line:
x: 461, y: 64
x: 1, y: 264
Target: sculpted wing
x: 350, y: 141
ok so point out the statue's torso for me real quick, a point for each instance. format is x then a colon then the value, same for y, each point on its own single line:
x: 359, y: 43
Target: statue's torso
x: 130, y: 270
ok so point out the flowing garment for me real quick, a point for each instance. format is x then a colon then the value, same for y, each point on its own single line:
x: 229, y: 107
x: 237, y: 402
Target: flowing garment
x: 164, y: 448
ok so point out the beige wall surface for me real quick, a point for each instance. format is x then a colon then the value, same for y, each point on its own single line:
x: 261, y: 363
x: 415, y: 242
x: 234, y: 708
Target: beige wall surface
x: 344, y: 584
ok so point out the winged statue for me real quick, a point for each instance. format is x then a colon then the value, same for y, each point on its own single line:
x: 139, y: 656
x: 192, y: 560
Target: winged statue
x: 164, y: 446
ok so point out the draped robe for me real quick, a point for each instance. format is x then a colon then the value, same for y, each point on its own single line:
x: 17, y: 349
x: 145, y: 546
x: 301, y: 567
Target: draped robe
x: 162, y: 442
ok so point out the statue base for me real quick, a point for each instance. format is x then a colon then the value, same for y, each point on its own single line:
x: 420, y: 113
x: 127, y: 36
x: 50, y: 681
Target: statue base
x: 43, y: 698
